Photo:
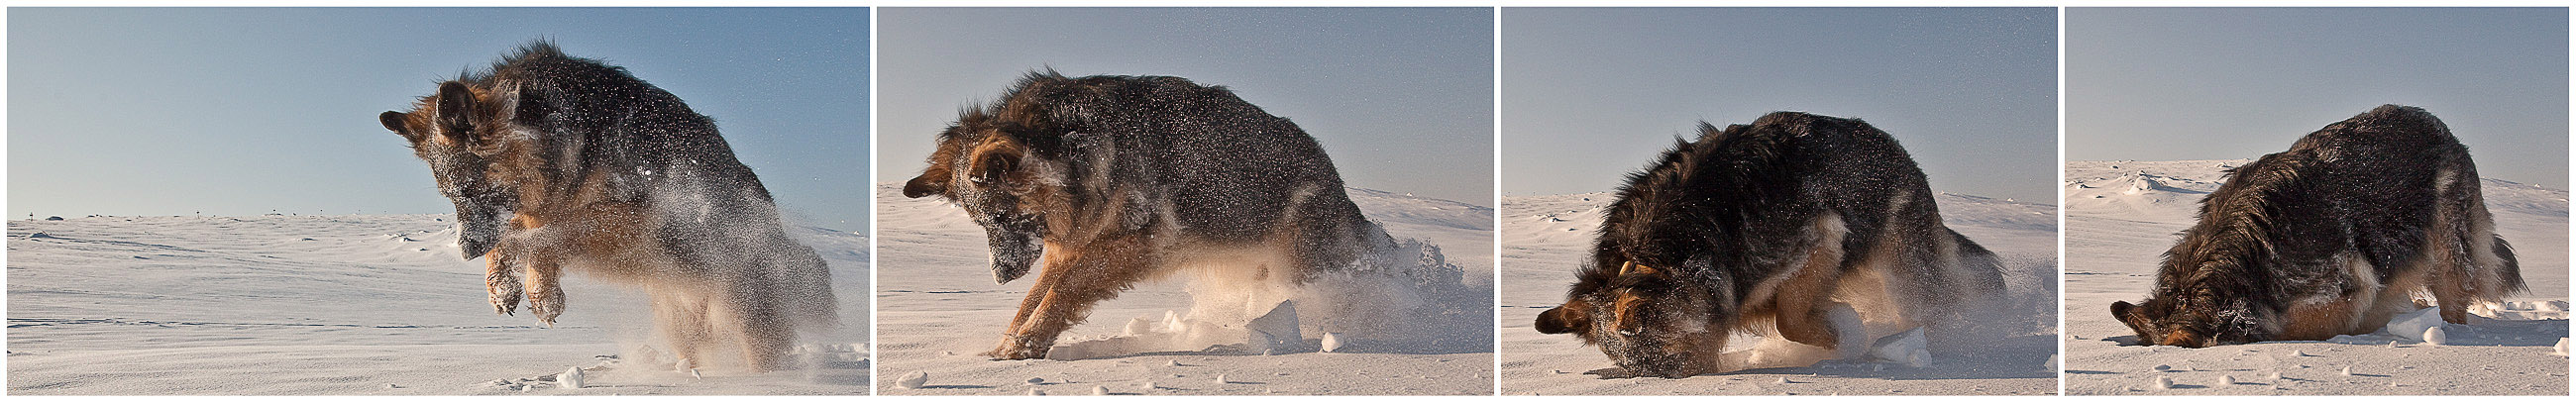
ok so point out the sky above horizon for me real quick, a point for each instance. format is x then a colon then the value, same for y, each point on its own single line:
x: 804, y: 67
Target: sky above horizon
x: 245, y: 111
x: 2235, y: 83
x: 1591, y: 94
x: 1400, y: 98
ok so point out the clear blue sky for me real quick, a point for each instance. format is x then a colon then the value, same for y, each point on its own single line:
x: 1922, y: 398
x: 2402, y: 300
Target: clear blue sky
x: 1591, y: 94
x: 1402, y: 98
x: 2228, y: 83
x: 172, y: 111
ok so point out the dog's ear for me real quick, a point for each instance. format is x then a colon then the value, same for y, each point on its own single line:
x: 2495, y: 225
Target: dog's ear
x: 1561, y: 320
x: 456, y: 112
x: 933, y: 181
x: 395, y: 121
x: 2129, y: 314
x: 996, y: 167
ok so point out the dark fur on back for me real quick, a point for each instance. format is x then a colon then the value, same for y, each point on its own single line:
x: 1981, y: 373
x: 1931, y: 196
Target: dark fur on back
x: 2390, y: 189
x: 556, y: 161
x: 1689, y: 246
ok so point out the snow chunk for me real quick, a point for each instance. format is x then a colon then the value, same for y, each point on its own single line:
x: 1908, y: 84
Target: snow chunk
x: 2436, y: 336
x: 1099, y: 390
x: 570, y: 378
x: 2161, y: 383
x: 1332, y: 342
x: 912, y: 380
x: 1909, y: 348
x: 2412, y: 325
x: 1274, y: 332
x: 2226, y: 380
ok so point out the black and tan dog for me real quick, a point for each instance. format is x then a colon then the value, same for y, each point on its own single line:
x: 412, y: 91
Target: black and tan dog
x: 1768, y: 228
x: 559, y: 162
x: 2332, y: 237
x: 1113, y: 180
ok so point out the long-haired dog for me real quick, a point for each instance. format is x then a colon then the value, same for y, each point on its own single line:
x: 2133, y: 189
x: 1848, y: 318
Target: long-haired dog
x: 2331, y: 237
x: 1770, y: 228
x: 559, y: 162
x: 1112, y: 180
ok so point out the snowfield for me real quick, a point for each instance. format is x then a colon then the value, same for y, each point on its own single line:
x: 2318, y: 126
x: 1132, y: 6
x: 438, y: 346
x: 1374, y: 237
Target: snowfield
x: 1545, y: 238
x: 940, y: 307
x: 2121, y: 216
x: 348, y: 305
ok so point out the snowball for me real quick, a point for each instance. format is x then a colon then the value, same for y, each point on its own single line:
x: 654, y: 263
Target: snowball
x: 2437, y: 336
x: 2161, y: 383
x: 1037, y: 392
x: 570, y: 378
x: 1152, y: 385
x: 2413, y: 324
x: 1099, y: 390
x: 2226, y: 380
x: 693, y: 373
x: 1172, y: 363
x: 1332, y: 341
x: 1785, y: 380
x: 2347, y: 370
x: 1220, y: 379
x: 2562, y: 346
x: 912, y: 380
x: 2300, y: 353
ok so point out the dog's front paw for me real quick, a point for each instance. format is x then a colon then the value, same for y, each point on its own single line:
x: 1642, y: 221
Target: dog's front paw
x: 505, y: 296
x: 546, y: 305
x: 1019, y: 348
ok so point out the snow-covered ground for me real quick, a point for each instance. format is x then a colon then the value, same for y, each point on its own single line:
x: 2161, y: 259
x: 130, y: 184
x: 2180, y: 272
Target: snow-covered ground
x: 2121, y: 216
x: 346, y: 305
x: 1545, y: 238
x: 940, y: 307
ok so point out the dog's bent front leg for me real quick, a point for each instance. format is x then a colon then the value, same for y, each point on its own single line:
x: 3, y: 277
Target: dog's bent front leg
x: 544, y: 289
x: 501, y: 281
x: 1074, y: 280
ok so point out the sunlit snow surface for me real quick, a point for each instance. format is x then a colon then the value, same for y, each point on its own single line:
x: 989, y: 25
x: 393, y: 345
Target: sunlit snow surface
x: 348, y: 305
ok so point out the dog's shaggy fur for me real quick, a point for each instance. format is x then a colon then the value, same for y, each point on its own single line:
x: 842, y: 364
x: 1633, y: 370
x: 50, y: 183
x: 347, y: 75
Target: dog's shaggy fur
x: 559, y: 162
x: 1116, y: 179
x: 2331, y: 237
x: 1769, y: 228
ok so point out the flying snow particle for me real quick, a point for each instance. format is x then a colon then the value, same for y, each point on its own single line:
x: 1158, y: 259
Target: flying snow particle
x: 570, y: 378
x: 912, y: 380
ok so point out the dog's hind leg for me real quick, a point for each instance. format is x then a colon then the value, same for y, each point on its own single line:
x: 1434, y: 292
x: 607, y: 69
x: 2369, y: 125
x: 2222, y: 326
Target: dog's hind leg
x: 501, y: 281
x: 752, y: 319
x: 683, y: 324
x: 1073, y: 281
x: 1801, y: 299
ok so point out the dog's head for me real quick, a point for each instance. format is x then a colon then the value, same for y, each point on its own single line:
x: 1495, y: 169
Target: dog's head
x: 1001, y: 176
x: 2166, y: 321
x: 1648, y: 319
x: 462, y: 132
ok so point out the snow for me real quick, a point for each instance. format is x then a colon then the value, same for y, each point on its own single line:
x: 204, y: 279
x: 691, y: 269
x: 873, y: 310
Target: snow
x: 1545, y: 237
x: 2121, y: 216
x: 344, y: 305
x: 940, y: 309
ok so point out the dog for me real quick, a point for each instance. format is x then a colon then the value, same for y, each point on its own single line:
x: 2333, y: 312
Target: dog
x: 556, y: 162
x: 2330, y: 238
x: 1770, y: 228
x: 1113, y: 180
